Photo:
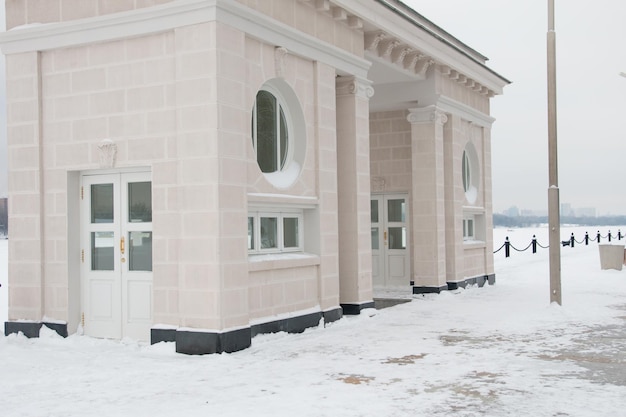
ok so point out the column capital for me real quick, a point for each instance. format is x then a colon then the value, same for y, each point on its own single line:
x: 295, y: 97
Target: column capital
x: 357, y: 86
x: 429, y: 114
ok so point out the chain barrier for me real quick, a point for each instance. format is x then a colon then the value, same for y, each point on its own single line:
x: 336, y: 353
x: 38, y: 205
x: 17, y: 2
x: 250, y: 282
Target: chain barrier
x: 507, y: 245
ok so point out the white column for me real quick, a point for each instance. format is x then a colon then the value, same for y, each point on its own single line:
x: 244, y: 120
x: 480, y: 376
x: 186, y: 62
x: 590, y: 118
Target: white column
x: 428, y: 199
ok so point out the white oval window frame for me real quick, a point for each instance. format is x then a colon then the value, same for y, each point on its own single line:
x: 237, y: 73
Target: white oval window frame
x: 471, y: 193
x: 296, y: 134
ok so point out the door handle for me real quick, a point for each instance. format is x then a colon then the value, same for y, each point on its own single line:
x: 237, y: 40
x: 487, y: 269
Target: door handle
x: 122, y: 245
x: 385, y: 235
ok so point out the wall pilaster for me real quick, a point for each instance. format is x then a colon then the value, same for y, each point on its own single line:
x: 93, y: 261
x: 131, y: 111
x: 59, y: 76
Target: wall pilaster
x: 327, y: 188
x: 353, y: 178
x: 26, y: 200
x: 455, y: 136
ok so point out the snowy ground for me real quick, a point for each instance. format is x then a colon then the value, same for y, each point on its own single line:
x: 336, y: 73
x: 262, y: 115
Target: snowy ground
x: 493, y: 351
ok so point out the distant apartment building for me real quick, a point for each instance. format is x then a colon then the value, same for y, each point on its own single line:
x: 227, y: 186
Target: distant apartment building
x: 566, y: 209
x: 538, y: 213
x: 586, y: 212
x: 511, y: 212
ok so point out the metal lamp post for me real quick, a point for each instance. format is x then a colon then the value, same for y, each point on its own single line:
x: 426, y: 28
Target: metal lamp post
x: 554, y: 218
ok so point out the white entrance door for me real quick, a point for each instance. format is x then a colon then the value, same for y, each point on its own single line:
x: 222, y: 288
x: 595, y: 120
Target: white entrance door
x: 116, y: 220
x: 390, y: 245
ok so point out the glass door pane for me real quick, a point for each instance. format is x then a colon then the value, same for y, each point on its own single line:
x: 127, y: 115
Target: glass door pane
x: 140, y: 202
x: 375, y: 237
x: 396, y: 217
x: 140, y: 251
x: 374, y: 211
x: 102, y: 203
x: 102, y: 247
x: 397, y: 238
x: 396, y: 210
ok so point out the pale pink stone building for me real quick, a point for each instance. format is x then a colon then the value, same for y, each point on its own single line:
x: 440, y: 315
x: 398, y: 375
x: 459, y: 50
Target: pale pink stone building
x: 200, y: 171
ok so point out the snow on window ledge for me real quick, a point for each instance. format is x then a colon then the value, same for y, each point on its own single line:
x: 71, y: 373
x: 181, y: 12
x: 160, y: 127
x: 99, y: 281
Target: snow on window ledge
x: 265, y: 262
x: 473, y: 244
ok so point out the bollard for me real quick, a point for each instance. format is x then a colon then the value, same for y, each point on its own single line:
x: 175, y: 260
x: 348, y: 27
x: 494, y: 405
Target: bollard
x: 609, y: 236
x: 507, y: 249
x: 534, y: 244
x: 572, y: 240
x: 586, y: 239
x: 619, y: 234
x: 598, y: 236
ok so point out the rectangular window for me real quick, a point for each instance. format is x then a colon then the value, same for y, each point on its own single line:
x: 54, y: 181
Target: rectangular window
x: 251, y: 245
x: 269, y: 232
x: 274, y: 232
x: 468, y: 229
x: 290, y: 232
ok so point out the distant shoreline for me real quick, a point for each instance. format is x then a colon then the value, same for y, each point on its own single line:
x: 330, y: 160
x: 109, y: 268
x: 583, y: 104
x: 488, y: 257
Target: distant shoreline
x: 531, y: 221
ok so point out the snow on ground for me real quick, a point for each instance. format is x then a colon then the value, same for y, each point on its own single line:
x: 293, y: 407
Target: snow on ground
x: 494, y: 351
x: 4, y: 292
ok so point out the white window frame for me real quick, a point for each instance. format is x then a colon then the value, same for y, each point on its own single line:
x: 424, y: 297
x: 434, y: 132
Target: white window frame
x: 469, y: 228
x: 280, y: 215
x: 470, y: 173
x: 288, y: 172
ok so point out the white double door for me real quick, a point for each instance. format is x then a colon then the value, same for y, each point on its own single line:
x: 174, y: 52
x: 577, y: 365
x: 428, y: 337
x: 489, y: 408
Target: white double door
x: 390, y: 240
x: 116, y: 241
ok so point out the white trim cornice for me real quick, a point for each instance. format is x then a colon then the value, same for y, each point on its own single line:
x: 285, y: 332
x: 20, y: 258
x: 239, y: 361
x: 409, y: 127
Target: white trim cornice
x: 265, y: 28
x: 110, y: 27
x: 172, y: 15
x: 464, y: 111
x: 440, y: 51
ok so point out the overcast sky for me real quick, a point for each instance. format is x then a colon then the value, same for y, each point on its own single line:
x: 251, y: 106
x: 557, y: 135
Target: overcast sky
x: 591, y: 96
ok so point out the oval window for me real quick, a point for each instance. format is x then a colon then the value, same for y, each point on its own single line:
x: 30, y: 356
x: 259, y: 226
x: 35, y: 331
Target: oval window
x: 278, y: 133
x: 470, y: 174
